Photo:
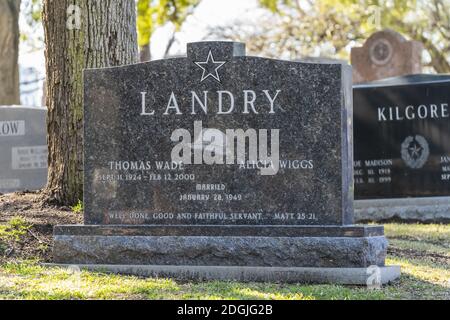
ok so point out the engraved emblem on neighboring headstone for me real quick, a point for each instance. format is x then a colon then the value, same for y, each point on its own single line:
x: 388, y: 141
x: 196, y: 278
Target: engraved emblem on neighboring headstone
x: 415, y: 151
x: 381, y: 52
x: 210, y: 67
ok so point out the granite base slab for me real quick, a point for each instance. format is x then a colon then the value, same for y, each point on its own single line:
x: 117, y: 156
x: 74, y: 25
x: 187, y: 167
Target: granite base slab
x: 431, y: 209
x: 349, y: 276
x: 341, y: 247
x: 222, y: 230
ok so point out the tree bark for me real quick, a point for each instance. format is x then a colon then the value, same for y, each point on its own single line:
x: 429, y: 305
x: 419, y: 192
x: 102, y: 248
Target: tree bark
x: 79, y: 34
x: 9, y: 52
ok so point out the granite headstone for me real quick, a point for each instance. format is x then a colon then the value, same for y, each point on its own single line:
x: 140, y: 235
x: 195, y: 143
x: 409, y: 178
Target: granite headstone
x: 219, y: 159
x: 402, y: 140
x: 386, y: 54
x: 210, y: 99
x: 23, y: 148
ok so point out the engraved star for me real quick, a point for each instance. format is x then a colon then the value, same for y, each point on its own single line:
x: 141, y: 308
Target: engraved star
x: 210, y: 67
x: 415, y: 151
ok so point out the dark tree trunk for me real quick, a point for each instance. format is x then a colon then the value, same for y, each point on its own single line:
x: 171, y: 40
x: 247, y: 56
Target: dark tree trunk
x: 9, y: 52
x: 79, y: 34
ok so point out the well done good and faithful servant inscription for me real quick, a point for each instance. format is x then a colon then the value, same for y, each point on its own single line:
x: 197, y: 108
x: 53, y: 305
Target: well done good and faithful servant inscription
x: 218, y: 138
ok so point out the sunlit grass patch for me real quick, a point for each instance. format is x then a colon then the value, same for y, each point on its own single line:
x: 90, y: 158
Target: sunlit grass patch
x: 31, y: 281
x: 436, y: 233
x: 11, y: 233
x: 421, y: 247
x: 244, y: 291
x: 14, y: 229
x: 425, y: 275
x: 425, y: 270
x: 78, y: 208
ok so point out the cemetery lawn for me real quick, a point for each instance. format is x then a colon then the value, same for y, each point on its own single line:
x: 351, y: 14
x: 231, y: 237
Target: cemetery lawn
x: 423, y: 252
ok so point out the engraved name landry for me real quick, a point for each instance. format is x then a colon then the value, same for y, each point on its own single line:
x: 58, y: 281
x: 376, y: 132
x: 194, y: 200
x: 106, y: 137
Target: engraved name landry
x: 225, y: 103
x: 212, y: 146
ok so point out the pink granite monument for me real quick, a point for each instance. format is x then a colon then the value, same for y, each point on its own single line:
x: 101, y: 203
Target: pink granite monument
x: 386, y: 54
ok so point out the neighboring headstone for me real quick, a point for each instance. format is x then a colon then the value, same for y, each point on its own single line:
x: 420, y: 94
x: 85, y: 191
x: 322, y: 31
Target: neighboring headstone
x: 386, y: 54
x: 322, y: 60
x: 402, y: 148
x: 221, y: 166
x: 23, y: 148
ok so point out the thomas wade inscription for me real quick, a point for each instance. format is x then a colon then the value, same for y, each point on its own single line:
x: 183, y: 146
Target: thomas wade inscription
x: 218, y: 146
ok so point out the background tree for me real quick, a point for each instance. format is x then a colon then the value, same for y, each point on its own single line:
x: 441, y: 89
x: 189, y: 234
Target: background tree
x: 427, y: 21
x: 9, y: 52
x: 296, y: 28
x: 32, y: 13
x: 78, y: 34
x: 291, y: 31
x: 152, y: 14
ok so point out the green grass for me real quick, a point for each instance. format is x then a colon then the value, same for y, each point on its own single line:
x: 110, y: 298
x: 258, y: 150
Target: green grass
x: 78, y: 208
x: 432, y: 233
x: 421, y: 250
x: 11, y: 233
x: 14, y: 229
